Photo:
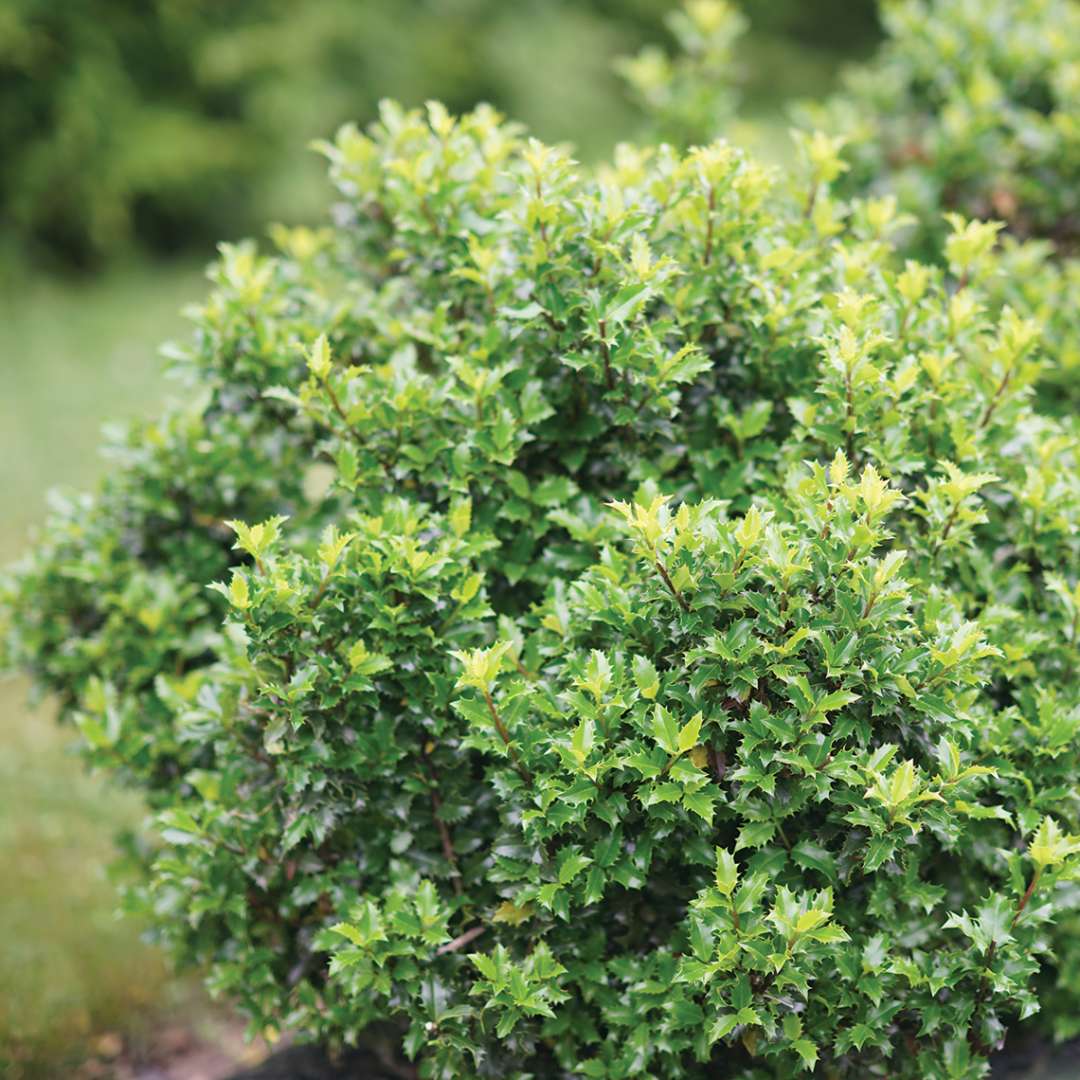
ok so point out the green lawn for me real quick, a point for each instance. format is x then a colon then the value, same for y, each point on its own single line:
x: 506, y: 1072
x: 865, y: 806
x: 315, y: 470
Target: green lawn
x: 71, y: 357
x: 74, y: 355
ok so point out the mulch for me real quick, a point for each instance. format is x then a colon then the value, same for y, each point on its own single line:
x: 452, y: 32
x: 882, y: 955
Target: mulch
x: 312, y: 1063
x: 1036, y: 1060
x: 177, y: 1053
x: 1025, y: 1061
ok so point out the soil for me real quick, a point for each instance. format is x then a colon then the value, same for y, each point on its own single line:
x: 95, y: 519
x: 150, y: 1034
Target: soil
x: 197, y: 1048
x: 213, y: 1048
x: 310, y: 1063
x: 1037, y: 1061
x: 1029, y: 1061
x: 220, y: 1053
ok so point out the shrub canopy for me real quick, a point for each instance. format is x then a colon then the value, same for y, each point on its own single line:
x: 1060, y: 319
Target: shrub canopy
x: 606, y: 622
x: 972, y: 107
x: 968, y: 107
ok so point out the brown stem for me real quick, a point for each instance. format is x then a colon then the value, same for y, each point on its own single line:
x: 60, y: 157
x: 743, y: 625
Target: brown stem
x: 709, y: 227
x: 430, y: 217
x: 671, y: 586
x: 336, y: 403
x: 500, y: 727
x: 871, y: 600
x: 849, y: 423
x: 337, y: 406
x: 992, y: 404
x: 949, y: 523
x: 901, y: 330
x: 432, y: 778
x: 783, y: 836
x: 460, y: 941
x: 1026, y: 897
x: 717, y: 763
x: 552, y: 321
x: 609, y: 376
x: 543, y: 224
x: 991, y: 950
x: 317, y: 598
x: 523, y: 671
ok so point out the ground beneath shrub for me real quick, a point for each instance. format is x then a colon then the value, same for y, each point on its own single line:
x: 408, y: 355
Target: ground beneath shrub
x: 203, y: 1048
x: 1027, y: 1062
x: 309, y: 1063
x: 214, y: 1049
x: 220, y: 1053
x: 1038, y: 1061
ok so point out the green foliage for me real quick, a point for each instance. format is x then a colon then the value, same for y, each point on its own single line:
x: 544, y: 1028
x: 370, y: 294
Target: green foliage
x: 968, y: 107
x: 690, y: 93
x: 973, y: 107
x: 603, y: 622
x: 167, y: 124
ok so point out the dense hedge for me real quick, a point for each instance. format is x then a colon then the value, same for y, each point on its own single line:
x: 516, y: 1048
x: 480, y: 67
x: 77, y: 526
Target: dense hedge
x: 602, y: 622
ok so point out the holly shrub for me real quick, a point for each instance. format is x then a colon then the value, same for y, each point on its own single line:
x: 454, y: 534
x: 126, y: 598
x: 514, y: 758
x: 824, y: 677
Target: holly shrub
x: 969, y: 106
x: 974, y: 106
x: 602, y: 622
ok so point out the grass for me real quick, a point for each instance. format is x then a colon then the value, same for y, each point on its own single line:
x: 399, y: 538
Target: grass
x: 72, y: 355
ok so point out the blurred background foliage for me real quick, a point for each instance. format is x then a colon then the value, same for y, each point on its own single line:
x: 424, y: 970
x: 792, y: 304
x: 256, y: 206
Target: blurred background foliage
x: 168, y: 124
x: 133, y: 135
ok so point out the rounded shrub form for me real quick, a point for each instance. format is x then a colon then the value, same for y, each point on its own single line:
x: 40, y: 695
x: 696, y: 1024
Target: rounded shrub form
x: 599, y: 623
